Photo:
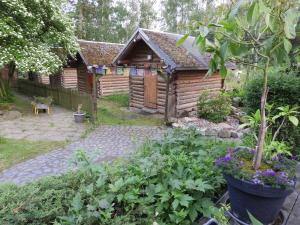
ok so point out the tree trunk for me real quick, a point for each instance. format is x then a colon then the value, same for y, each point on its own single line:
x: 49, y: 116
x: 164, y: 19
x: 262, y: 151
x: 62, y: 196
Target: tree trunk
x: 263, y: 123
x: 11, y: 71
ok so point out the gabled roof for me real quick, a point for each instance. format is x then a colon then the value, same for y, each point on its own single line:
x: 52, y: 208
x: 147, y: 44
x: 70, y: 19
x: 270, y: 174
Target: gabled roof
x: 98, y: 53
x: 163, y: 44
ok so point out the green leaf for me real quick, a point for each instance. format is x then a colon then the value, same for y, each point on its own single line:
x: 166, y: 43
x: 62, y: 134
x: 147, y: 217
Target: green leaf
x: 235, y: 9
x: 104, y: 204
x: 89, y: 189
x: 294, y: 120
x: 76, y: 202
x: 185, y: 199
x: 223, y: 71
x: 175, y: 204
x: 223, y: 50
x: 165, y: 197
x: 287, y: 45
x: 267, y: 19
x: 182, y: 40
x: 254, y: 221
x: 253, y: 13
x: 290, y: 23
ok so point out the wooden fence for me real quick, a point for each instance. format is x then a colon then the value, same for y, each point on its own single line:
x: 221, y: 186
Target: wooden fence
x: 66, y: 98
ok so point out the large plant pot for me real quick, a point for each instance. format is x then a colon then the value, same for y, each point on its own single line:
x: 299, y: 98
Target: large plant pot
x: 79, y: 117
x: 262, y: 201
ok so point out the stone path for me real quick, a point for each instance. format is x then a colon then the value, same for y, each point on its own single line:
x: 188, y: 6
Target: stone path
x: 58, y: 126
x: 103, y: 144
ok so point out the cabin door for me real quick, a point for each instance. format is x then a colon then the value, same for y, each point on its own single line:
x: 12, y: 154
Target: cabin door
x: 150, y: 90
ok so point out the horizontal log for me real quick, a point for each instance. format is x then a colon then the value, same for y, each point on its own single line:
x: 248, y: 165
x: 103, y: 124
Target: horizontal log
x: 137, y: 92
x: 137, y: 82
x: 136, y: 78
x: 195, y: 77
x: 137, y: 88
x: 188, y: 105
x: 200, y: 87
x: 200, y: 80
x: 135, y: 105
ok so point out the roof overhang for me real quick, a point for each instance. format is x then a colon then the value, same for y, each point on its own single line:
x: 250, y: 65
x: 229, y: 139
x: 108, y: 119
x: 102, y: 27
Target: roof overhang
x: 139, y: 34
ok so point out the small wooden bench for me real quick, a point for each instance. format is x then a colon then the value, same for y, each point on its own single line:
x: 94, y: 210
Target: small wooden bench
x: 39, y: 106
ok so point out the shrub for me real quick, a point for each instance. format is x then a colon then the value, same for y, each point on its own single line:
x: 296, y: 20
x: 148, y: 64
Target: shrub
x: 283, y: 90
x: 171, y: 181
x: 213, y: 108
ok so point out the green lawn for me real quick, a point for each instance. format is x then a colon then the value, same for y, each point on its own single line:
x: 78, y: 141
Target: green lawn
x: 112, y: 110
x: 14, y: 151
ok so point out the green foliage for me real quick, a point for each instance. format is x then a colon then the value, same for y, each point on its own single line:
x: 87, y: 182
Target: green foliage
x: 275, y: 148
x: 213, y: 108
x: 283, y: 91
x: 35, y: 35
x: 171, y: 181
x: 278, y: 172
x: 110, y: 20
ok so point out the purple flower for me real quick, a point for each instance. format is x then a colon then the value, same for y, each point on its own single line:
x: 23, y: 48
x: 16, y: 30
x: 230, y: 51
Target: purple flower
x: 224, y: 159
x: 227, y: 157
x: 269, y: 173
x: 294, y: 157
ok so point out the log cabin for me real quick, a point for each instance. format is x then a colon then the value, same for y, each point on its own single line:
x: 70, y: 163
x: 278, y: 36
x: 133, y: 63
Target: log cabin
x: 161, y: 66
x: 100, y: 53
x: 77, y: 76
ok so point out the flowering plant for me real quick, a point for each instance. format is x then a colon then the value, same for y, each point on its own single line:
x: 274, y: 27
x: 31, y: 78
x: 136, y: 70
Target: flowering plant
x: 277, y: 172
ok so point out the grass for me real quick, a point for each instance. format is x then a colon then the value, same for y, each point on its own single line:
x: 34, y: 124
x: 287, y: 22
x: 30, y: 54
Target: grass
x: 14, y: 151
x: 112, y: 110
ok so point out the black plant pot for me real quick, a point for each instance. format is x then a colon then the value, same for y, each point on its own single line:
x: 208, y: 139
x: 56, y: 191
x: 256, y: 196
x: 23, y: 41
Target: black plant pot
x: 262, y: 201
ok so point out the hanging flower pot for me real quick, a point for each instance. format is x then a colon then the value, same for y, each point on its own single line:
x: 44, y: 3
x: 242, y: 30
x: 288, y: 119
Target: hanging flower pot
x: 261, y: 192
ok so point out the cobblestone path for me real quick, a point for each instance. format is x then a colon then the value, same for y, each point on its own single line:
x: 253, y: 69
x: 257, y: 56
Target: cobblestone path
x: 103, y: 144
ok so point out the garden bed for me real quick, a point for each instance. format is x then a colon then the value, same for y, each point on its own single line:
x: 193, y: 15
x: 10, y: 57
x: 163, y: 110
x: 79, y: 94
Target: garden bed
x: 171, y: 181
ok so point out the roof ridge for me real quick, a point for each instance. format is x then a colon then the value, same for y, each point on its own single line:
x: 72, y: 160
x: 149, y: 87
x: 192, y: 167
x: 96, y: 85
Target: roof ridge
x: 99, y: 42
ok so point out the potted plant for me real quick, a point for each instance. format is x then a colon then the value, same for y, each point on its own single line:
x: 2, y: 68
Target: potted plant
x: 79, y: 115
x: 258, y: 35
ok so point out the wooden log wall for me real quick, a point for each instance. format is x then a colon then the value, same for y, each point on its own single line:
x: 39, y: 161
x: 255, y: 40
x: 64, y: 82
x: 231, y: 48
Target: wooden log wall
x: 110, y: 84
x: 136, y: 92
x: 189, y: 87
x: 69, y: 78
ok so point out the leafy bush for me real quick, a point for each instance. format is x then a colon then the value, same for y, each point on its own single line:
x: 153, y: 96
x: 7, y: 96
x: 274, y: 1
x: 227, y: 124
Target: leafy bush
x: 171, y: 181
x: 213, y: 108
x: 283, y: 90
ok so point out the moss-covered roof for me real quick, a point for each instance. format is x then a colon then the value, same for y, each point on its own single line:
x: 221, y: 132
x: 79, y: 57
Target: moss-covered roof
x: 98, y: 53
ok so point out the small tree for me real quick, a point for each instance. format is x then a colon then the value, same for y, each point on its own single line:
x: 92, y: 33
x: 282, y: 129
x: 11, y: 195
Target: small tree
x: 34, y: 35
x: 255, y: 34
